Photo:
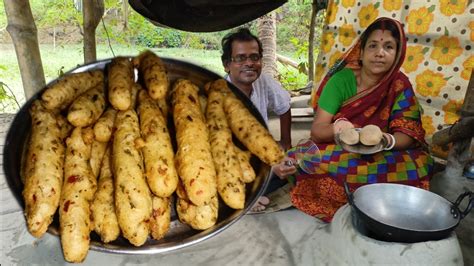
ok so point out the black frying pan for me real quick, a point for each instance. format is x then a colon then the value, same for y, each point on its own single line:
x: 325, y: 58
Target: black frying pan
x: 203, y: 15
x: 402, y: 213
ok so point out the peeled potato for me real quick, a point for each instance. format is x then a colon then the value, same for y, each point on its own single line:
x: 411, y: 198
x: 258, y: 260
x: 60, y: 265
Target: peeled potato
x: 370, y: 135
x: 350, y: 136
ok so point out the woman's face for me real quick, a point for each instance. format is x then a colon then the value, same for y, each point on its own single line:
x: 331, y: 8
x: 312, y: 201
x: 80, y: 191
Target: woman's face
x: 379, y: 52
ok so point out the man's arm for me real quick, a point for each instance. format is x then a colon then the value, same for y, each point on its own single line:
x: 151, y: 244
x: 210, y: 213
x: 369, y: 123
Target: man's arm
x: 285, y: 130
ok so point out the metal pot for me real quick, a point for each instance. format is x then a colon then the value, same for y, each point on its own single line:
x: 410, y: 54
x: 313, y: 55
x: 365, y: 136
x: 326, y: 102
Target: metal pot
x: 402, y: 213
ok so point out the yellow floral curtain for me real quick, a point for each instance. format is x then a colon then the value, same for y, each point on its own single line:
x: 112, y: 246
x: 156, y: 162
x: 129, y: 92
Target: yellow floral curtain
x: 439, y: 57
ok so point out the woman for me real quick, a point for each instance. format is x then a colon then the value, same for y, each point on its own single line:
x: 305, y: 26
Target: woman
x: 364, y: 87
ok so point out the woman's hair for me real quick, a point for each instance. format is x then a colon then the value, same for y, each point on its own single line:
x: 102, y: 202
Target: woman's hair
x: 381, y: 25
x: 243, y: 35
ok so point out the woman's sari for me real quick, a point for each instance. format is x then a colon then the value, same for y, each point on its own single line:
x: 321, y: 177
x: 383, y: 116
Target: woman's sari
x: 392, y: 106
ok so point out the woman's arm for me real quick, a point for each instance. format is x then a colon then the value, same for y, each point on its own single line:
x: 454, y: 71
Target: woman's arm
x: 323, y: 130
x: 403, y: 141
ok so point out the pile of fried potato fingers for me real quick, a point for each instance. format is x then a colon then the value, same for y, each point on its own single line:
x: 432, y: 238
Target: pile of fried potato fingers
x: 100, y: 153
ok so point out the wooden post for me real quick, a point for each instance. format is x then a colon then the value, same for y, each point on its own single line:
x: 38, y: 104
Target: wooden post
x: 462, y: 129
x: 468, y: 105
x: 459, y: 154
x: 21, y: 27
x: 92, y: 14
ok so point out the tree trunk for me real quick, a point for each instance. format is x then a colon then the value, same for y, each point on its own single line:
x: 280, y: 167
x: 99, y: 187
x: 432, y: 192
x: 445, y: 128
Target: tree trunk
x: 314, y: 12
x: 266, y: 26
x: 92, y: 13
x: 22, y: 29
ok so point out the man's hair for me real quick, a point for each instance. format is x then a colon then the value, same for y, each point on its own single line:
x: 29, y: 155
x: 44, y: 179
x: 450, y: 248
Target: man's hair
x: 243, y: 35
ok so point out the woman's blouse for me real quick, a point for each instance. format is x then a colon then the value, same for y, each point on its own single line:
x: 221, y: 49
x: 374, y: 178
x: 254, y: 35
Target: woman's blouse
x: 339, y: 88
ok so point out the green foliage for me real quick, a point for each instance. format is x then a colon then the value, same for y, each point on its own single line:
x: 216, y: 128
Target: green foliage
x: 293, y: 23
x: 160, y: 37
x: 290, y: 78
x: 8, y: 101
x: 52, y: 13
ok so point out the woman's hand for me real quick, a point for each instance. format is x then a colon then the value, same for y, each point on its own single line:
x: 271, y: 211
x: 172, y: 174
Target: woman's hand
x: 285, y: 168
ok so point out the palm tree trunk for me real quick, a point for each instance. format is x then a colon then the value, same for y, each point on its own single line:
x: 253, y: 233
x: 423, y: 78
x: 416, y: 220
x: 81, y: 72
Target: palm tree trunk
x: 22, y: 28
x: 266, y: 26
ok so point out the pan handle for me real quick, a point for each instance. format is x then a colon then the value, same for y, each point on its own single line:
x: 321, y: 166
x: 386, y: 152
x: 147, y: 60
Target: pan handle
x: 469, y: 205
x: 350, y: 196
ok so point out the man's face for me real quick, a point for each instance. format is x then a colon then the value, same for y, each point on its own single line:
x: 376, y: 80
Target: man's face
x: 244, y: 72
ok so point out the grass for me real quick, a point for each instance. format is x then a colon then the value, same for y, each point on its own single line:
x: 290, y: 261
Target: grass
x: 66, y: 57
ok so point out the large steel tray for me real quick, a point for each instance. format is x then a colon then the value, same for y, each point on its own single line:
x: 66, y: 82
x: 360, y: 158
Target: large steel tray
x: 180, y: 235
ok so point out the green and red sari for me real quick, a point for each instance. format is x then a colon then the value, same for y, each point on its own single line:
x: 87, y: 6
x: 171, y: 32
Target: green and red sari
x: 393, y: 107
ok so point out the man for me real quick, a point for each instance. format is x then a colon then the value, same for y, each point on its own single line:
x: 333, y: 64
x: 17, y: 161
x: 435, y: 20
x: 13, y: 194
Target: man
x: 242, y: 60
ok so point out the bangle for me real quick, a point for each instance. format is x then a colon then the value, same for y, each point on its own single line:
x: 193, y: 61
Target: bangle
x: 392, y: 144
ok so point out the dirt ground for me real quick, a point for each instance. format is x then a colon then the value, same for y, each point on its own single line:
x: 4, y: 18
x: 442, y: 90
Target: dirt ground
x: 58, y: 35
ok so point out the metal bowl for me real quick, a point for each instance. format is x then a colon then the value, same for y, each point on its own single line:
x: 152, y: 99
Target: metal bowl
x: 180, y: 235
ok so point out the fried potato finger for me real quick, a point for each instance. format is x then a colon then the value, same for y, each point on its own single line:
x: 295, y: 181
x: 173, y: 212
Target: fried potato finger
x: 193, y: 159
x: 121, y: 80
x: 62, y: 93
x: 132, y: 195
x: 87, y: 107
x: 198, y: 217
x: 104, y: 126
x: 43, y: 169
x: 164, y: 107
x: 229, y: 174
x: 103, y: 207
x: 77, y: 193
x: 97, y: 154
x: 248, y: 173
x: 251, y: 133
x: 160, y: 219
x: 158, y: 152
x: 153, y: 70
